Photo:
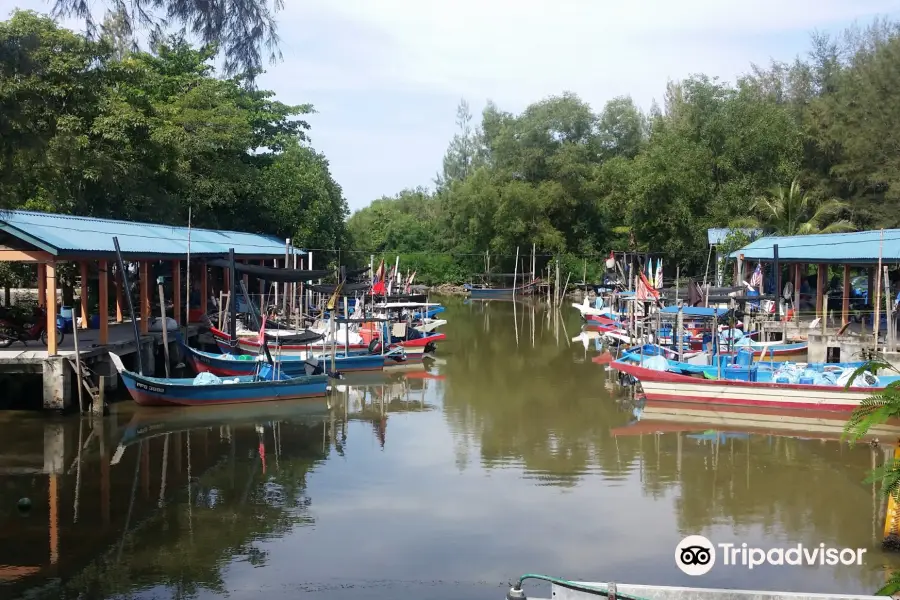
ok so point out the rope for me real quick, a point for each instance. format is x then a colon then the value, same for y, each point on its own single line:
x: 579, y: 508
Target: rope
x: 571, y: 585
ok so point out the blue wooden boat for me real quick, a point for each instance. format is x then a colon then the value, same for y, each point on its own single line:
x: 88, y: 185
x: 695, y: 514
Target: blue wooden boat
x: 227, y: 365
x: 265, y: 386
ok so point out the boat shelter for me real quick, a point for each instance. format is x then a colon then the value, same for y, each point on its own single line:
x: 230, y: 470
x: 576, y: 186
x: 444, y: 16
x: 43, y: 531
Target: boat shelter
x: 839, y: 254
x: 49, y: 240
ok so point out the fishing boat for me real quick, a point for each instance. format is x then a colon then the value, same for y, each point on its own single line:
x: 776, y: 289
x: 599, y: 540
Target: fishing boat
x: 561, y: 589
x: 487, y: 292
x: 675, y: 387
x: 250, y: 344
x: 226, y: 364
x: 266, y: 385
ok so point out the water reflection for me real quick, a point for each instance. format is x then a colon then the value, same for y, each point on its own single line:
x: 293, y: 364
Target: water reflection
x: 506, y: 455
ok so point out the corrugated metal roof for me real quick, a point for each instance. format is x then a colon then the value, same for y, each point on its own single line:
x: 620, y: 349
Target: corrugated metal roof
x: 717, y: 235
x: 860, y: 247
x: 66, y: 235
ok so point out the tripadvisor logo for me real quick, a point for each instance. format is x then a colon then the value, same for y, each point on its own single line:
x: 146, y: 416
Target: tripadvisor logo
x: 696, y: 555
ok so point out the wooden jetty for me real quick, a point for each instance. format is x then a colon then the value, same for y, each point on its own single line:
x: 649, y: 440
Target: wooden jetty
x: 157, y: 251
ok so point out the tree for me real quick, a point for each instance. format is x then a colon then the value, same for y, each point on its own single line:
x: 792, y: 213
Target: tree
x: 241, y: 28
x: 793, y: 212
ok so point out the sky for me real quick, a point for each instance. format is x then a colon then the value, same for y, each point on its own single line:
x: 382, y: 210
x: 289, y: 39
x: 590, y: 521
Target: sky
x: 386, y: 76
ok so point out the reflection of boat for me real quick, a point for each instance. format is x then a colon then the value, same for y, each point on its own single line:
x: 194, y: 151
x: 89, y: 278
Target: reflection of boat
x: 264, y: 387
x: 667, y: 417
x: 148, y: 423
x: 663, y: 385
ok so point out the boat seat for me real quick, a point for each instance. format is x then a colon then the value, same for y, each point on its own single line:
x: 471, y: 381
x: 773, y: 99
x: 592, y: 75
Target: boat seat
x: 398, y: 330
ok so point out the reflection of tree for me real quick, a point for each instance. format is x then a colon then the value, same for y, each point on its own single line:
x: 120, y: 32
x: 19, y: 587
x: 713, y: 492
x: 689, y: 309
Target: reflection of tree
x: 527, y: 404
x: 184, y: 545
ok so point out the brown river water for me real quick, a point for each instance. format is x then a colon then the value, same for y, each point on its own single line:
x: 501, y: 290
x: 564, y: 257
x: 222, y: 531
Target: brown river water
x: 512, y: 453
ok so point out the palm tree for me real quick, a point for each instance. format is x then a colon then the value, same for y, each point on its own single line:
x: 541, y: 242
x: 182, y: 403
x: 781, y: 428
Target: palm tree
x: 788, y: 213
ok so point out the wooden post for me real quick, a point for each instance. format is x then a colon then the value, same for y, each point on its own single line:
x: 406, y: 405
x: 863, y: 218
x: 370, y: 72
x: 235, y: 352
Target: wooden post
x: 176, y: 292
x: 165, y: 328
x: 84, y: 294
x: 103, y: 301
x: 204, y: 288
x: 50, y: 302
x: 145, y: 296
x: 820, y: 273
x: 120, y: 299
x: 287, y: 286
x: 845, y: 304
x: 42, y: 284
x: 97, y: 406
x: 797, y: 293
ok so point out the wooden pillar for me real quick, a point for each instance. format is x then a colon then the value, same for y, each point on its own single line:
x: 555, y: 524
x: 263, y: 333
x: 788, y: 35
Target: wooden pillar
x: 177, y: 291
x: 145, y: 296
x: 246, y: 278
x: 120, y: 297
x: 797, y: 284
x: 226, y: 281
x: 42, y: 284
x: 821, y: 273
x: 50, y: 302
x: 845, y: 305
x: 204, y: 289
x: 84, y: 293
x: 103, y: 279
x: 54, y: 516
x: 262, y: 285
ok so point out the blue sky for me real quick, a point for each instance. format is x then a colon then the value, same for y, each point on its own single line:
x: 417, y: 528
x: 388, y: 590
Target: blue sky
x: 386, y: 76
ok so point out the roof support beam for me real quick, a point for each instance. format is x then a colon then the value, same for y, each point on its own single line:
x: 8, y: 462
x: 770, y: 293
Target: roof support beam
x: 84, y: 294
x: 145, y: 297
x: 38, y: 256
x: 103, y: 307
x: 42, y: 284
x: 50, y: 300
x: 845, y: 305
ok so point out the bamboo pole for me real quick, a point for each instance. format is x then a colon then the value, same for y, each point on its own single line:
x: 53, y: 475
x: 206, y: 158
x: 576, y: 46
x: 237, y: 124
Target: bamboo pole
x: 877, y: 322
x: 888, y: 310
x: 515, y: 271
x: 78, y: 360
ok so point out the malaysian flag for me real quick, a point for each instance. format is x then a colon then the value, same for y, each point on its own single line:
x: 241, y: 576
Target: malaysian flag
x: 757, y: 278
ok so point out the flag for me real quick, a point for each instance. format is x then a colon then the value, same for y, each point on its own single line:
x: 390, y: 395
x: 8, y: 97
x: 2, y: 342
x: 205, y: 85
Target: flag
x: 262, y: 331
x: 647, y: 269
x: 645, y: 291
x: 409, y: 282
x: 757, y: 278
x: 332, y: 302
x: 659, y: 274
x: 378, y: 280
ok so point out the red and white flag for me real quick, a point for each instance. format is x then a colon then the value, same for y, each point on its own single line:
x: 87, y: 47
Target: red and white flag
x: 378, y: 280
x: 262, y: 331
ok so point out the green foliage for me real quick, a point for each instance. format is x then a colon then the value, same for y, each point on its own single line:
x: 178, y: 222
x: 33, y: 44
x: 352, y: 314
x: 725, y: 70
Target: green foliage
x: 574, y: 181
x: 97, y: 128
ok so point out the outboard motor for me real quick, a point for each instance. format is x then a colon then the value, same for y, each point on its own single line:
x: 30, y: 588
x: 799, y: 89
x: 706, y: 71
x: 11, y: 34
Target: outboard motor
x: 314, y: 367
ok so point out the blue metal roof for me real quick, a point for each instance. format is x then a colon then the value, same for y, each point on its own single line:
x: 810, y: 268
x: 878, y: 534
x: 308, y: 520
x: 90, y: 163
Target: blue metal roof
x: 695, y: 311
x: 717, y: 235
x: 859, y: 247
x: 66, y: 235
